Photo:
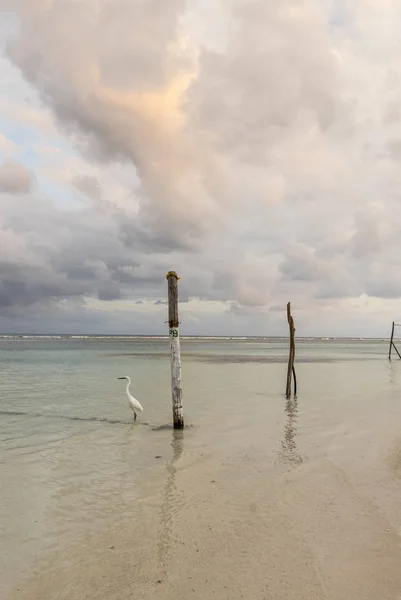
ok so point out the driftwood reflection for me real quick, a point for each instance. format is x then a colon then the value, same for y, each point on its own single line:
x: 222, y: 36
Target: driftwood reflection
x: 169, y: 503
x: 289, y: 451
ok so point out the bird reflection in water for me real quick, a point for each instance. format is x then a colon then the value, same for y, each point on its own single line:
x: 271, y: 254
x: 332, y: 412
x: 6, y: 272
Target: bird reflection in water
x: 169, y: 506
x: 289, y: 451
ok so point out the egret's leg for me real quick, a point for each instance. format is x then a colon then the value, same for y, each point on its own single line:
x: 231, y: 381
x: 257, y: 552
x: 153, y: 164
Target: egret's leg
x: 134, y: 416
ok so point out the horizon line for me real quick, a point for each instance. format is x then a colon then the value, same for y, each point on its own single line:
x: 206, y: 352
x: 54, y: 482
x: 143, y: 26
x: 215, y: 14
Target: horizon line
x: 165, y: 335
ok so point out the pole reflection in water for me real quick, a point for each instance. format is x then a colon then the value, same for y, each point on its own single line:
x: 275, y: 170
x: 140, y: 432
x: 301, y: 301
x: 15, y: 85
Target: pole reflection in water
x: 170, y: 505
x: 289, y: 451
x: 394, y: 369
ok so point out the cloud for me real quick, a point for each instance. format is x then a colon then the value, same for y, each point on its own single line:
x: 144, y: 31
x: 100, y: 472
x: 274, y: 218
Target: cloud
x: 15, y: 178
x: 259, y: 157
x: 88, y: 185
x: 372, y: 228
x: 7, y: 147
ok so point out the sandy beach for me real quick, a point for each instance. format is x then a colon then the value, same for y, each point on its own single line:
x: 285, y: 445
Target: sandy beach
x: 238, y: 531
x: 272, y: 500
x: 194, y: 194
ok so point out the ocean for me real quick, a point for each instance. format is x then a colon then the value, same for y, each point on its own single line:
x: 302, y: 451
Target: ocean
x: 258, y: 497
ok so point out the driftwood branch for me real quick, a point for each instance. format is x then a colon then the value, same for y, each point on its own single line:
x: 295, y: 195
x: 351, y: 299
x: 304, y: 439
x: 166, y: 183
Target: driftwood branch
x: 291, y: 369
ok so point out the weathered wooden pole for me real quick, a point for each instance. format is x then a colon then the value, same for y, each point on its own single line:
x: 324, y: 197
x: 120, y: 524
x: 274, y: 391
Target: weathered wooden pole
x: 392, y: 344
x: 395, y: 348
x: 173, y: 322
x: 291, y: 358
x: 391, y: 341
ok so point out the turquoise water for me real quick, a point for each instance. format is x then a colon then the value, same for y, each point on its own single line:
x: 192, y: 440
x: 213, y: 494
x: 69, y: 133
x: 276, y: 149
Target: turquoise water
x: 72, y: 462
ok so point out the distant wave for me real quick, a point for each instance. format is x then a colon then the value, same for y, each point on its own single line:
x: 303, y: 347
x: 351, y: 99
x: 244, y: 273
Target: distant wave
x: 187, y: 339
x: 270, y: 339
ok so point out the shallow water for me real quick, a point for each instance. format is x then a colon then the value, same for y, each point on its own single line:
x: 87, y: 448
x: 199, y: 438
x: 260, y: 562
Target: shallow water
x: 73, y: 466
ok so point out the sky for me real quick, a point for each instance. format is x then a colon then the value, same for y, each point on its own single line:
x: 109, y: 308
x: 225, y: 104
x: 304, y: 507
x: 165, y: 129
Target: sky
x: 252, y: 146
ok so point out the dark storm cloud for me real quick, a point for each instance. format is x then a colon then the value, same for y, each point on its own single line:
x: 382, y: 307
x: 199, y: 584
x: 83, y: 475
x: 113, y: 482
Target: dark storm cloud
x: 69, y: 255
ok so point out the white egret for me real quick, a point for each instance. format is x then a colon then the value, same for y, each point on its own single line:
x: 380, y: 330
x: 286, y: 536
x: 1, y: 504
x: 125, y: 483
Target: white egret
x: 132, y: 402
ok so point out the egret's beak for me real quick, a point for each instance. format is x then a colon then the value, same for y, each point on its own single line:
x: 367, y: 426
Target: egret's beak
x: 120, y: 377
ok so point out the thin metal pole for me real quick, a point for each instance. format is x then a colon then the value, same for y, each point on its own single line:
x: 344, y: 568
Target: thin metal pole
x: 395, y: 348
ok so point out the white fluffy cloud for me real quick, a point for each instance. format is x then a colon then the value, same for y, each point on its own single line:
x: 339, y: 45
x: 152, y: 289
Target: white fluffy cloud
x: 259, y: 157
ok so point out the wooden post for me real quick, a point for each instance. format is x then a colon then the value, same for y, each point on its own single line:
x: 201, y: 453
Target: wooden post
x: 391, y: 341
x: 395, y: 348
x: 173, y: 321
x: 291, y: 358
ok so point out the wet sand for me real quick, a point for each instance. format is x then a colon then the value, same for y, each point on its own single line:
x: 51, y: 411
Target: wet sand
x: 233, y: 525
x: 261, y: 498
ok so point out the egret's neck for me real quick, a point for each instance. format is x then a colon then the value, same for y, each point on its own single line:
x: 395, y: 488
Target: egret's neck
x: 128, y: 384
